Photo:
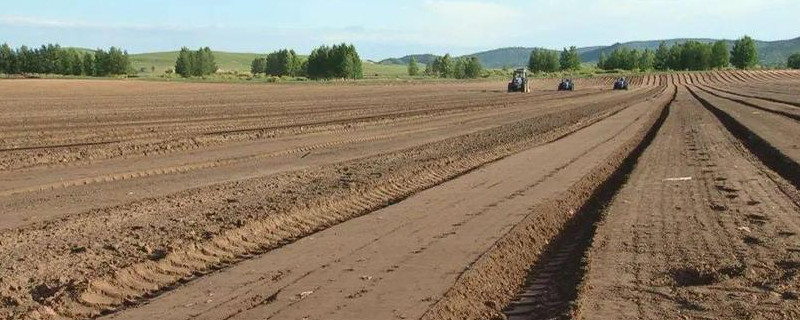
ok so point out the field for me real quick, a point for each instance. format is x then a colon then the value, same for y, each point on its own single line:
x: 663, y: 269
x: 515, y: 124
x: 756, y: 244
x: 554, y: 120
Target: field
x: 678, y: 198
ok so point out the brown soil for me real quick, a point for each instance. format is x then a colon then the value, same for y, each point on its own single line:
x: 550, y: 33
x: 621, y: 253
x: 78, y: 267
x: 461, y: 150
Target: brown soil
x: 721, y: 245
x: 216, y: 201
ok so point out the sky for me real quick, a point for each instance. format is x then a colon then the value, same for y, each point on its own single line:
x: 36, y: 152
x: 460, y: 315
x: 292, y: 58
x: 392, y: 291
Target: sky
x: 383, y: 29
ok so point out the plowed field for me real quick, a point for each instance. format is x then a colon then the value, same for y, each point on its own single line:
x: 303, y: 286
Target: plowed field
x: 133, y: 200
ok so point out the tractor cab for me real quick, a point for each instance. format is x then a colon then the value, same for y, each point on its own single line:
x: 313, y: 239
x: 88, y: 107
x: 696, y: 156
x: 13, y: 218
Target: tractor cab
x: 519, y: 81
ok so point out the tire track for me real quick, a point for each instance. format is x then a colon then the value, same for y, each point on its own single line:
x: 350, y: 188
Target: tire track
x: 793, y: 116
x: 554, y: 279
x: 490, y: 282
x: 678, y: 248
x: 152, y: 172
x: 772, y: 157
x: 130, y: 284
x: 794, y: 104
x: 194, y: 166
x: 259, y: 131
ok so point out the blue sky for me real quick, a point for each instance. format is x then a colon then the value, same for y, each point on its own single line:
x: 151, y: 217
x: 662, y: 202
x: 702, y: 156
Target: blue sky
x: 382, y: 29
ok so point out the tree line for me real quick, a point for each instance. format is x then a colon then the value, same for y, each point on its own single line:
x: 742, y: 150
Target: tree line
x: 54, y: 59
x: 325, y: 62
x: 690, y: 55
x: 627, y: 59
x: 448, y: 67
x: 543, y: 60
x: 195, y: 63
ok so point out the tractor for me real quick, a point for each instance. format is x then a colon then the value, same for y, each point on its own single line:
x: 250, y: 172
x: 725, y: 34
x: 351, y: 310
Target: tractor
x: 566, y: 85
x: 519, y: 81
x: 621, y: 84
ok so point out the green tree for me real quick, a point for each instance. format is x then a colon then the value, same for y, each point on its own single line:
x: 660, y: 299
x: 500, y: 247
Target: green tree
x: 296, y: 65
x: 459, y: 68
x: 118, y: 62
x: 720, y: 57
x: 54, y: 59
x: 195, y: 63
x: 695, y: 56
x: 621, y: 58
x: 204, y: 62
x: 345, y: 62
x: 25, y: 63
x: 259, y: 65
x: 473, y: 68
x: 647, y: 60
x: 602, y: 60
x: 446, y: 66
x: 184, y: 64
x: 88, y: 64
x: 7, y: 59
x: 674, y: 61
x: 744, y: 54
x: 543, y: 60
x: 413, y: 68
x: 794, y: 61
x: 317, y: 63
x: 570, y: 60
x: 101, y: 63
x: 338, y: 61
x: 280, y: 63
x: 662, y: 57
x: 76, y: 62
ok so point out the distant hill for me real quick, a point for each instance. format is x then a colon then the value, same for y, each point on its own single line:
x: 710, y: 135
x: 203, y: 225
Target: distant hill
x: 421, y: 58
x: 770, y: 52
x: 504, y: 57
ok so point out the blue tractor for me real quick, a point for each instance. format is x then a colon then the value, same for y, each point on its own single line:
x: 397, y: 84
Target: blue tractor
x: 621, y: 84
x: 566, y: 85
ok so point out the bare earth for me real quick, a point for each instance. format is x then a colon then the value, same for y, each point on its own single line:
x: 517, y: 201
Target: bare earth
x: 132, y: 200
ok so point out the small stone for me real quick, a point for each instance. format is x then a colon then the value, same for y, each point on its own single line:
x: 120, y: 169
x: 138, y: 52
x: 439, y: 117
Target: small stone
x: 77, y: 249
x: 304, y: 294
x: 48, y: 311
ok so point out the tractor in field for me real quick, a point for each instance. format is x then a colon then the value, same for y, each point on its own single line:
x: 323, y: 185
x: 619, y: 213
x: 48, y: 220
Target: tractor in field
x: 621, y: 84
x: 519, y: 81
x: 566, y: 85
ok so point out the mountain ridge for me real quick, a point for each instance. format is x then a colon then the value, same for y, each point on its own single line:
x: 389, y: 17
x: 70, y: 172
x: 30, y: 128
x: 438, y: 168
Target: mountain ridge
x: 771, y: 53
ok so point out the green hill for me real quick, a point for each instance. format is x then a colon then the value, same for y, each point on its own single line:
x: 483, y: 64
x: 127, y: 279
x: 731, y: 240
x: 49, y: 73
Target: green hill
x: 165, y: 60
x: 421, y: 58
